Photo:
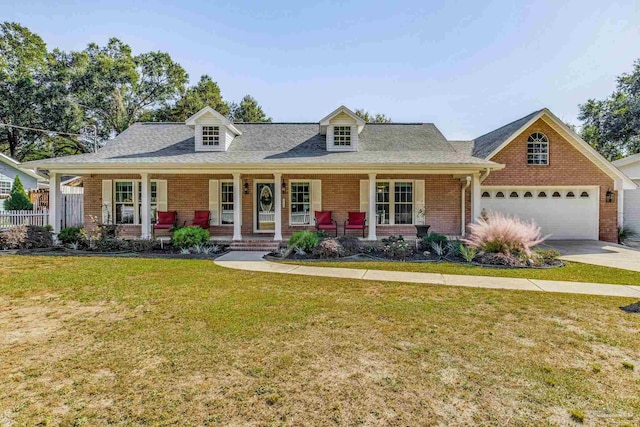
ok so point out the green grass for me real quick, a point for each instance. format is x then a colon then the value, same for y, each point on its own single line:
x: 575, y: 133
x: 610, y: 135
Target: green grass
x: 163, y: 342
x: 571, y: 272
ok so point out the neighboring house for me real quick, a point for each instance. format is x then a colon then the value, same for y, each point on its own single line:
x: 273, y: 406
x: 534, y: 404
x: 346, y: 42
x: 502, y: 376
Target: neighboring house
x: 631, y: 167
x: 268, y: 179
x: 9, y: 169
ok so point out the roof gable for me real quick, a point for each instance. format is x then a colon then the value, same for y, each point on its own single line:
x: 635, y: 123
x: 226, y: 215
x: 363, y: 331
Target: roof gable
x: 209, y: 114
x: 342, y: 110
x: 16, y: 165
x: 488, y: 145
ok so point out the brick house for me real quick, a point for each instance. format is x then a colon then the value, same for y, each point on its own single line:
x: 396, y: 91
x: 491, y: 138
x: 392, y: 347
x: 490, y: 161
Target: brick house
x: 267, y: 179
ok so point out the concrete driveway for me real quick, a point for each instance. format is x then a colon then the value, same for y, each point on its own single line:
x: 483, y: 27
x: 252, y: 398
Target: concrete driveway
x: 598, y: 253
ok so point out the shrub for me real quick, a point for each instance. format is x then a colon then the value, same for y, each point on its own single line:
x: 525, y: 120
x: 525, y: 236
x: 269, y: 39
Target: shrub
x: 14, y: 237
x: 188, y: 237
x: 140, y: 245
x: 468, y: 253
x: 507, y: 235
x: 625, y: 233
x: 396, y: 248
x: 71, y: 235
x: 329, y: 248
x: 499, y: 259
x: 351, y: 244
x: 547, y: 256
x: 38, y: 237
x: 577, y: 415
x: 18, y: 199
x: 431, y: 238
x: 304, y: 240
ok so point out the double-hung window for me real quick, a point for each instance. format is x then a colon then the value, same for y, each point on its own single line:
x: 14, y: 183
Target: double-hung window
x: 300, y: 203
x: 342, y: 136
x: 210, y: 136
x: 124, y: 202
x: 226, y: 203
x: 394, y: 203
x: 5, y: 186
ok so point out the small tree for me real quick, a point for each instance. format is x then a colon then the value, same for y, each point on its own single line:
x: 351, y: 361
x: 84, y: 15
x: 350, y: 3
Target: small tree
x: 18, y: 199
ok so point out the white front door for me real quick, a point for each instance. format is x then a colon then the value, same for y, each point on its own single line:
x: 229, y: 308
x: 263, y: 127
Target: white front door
x: 562, y: 213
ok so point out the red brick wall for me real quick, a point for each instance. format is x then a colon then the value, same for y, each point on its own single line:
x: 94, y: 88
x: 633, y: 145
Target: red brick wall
x: 340, y: 194
x: 567, y: 166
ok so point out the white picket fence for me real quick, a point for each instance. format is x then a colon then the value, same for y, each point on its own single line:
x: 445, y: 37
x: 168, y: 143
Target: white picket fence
x: 10, y: 219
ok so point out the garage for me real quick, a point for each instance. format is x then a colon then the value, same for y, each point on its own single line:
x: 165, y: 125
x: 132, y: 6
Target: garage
x: 561, y: 212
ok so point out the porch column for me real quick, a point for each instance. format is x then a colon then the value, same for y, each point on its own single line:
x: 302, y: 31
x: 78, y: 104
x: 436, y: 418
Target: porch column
x: 237, y: 207
x: 476, y: 210
x: 277, y: 181
x: 55, y: 202
x: 145, y: 205
x: 372, y: 207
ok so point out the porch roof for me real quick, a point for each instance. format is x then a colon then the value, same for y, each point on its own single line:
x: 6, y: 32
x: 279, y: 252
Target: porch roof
x: 164, y: 144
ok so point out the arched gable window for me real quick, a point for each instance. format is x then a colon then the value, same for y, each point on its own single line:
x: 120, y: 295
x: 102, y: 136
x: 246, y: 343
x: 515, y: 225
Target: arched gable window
x: 538, y: 149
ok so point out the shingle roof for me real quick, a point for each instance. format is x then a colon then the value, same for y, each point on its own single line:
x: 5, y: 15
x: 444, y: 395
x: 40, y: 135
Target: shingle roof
x: 269, y: 143
x: 487, y: 143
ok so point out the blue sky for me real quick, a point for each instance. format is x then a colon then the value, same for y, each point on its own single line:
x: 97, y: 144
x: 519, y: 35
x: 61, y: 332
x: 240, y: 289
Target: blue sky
x: 468, y: 66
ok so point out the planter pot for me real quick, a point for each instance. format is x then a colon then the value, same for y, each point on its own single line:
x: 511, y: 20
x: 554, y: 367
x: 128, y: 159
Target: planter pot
x: 422, y: 230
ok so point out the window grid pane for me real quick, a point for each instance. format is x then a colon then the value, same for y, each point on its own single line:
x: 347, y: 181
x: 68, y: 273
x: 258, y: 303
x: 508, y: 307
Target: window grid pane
x: 210, y: 135
x: 300, y: 203
x: 124, y: 209
x: 403, y: 207
x: 5, y: 188
x: 226, y: 199
x: 383, y: 206
x: 342, y: 135
x: 537, y: 149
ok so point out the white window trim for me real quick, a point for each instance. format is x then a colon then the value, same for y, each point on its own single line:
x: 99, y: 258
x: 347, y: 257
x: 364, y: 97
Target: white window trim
x: 10, y: 186
x: 346, y: 127
x: 136, y: 200
x: 226, y: 181
x: 215, y: 128
x: 300, y: 181
x: 392, y: 201
x: 546, y: 163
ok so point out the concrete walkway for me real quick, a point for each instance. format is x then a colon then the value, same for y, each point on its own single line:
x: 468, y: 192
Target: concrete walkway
x: 253, y: 261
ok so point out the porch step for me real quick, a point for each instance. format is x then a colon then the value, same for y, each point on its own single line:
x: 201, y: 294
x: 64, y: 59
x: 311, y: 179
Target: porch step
x: 255, y: 245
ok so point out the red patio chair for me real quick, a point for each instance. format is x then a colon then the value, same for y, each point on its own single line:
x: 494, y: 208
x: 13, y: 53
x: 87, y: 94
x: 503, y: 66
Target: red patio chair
x: 166, y: 221
x: 201, y: 219
x: 325, y: 222
x: 356, y: 221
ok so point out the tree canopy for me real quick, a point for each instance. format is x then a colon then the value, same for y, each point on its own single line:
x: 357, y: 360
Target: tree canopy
x: 248, y: 110
x: 612, y: 125
x: 372, y: 118
x: 108, y: 87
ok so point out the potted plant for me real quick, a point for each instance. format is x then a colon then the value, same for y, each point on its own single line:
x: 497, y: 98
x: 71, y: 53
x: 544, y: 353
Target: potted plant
x: 422, y: 229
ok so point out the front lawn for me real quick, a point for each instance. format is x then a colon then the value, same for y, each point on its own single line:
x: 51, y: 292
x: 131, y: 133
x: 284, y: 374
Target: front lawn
x: 99, y: 341
x: 571, y: 272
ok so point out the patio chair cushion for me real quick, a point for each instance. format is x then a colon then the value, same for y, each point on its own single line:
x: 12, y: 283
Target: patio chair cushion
x: 356, y: 219
x: 201, y: 219
x: 166, y: 218
x: 324, y: 218
x: 327, y: 226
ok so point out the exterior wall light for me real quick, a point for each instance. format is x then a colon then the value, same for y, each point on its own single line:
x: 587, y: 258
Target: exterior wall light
x: 609, y: 196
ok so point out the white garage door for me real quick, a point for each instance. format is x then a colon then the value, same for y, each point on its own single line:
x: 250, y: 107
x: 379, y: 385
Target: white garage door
x: 562, y: 213
x: 632, y: 208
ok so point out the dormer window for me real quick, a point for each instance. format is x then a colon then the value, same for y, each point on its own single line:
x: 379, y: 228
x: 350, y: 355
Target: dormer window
x: 342, y: 136
x: 210, y: 136
x: 212, y: 130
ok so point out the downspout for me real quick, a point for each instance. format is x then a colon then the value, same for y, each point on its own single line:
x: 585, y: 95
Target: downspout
x: 463, y: 203
x: 485, y: 175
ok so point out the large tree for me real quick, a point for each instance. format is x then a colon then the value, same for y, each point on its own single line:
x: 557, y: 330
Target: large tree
x: 372, y: 118
x: 194, y: 99
x: 23, y: 61
x: 114, y: 88
x: 248, y: 110
x: 612, y: 125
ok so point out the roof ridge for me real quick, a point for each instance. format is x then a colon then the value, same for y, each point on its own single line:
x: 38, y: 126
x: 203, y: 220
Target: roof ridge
x: 287, y: 123
x: 510, y: 123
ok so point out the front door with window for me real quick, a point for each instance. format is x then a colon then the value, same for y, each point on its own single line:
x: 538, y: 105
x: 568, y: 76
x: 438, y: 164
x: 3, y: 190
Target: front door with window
x: 265, y: 207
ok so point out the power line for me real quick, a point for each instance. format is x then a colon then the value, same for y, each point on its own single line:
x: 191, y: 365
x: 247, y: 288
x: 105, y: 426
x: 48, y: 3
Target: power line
x: 40, y: 130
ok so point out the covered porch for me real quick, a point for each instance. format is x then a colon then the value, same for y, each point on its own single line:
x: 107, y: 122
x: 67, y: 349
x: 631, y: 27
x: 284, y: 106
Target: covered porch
x: 254, y: 205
